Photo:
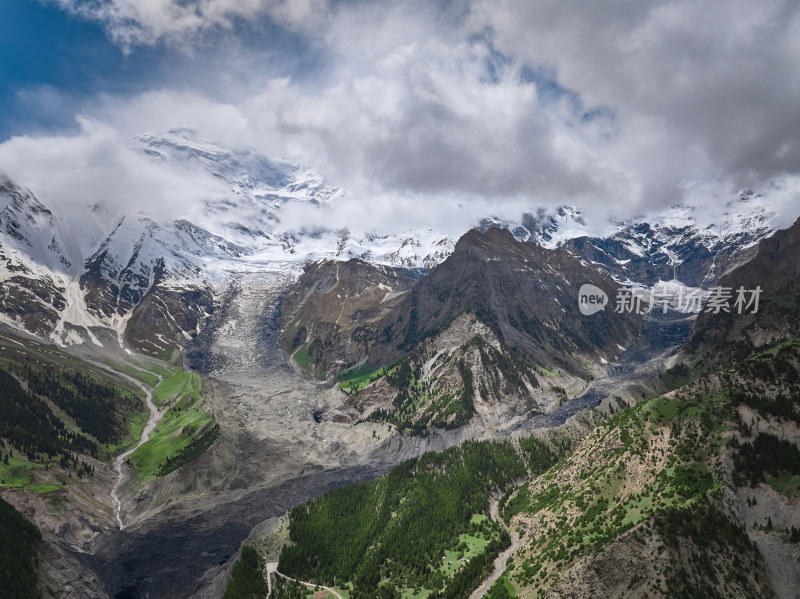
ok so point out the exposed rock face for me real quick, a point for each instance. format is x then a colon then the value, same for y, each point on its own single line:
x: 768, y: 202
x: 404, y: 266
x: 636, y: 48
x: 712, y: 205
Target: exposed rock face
x: 494, y: 331
x: 169, y: 319
x: 680, y: 243
x: 776, y: 270
x: 463, y: 372
x: 32, y: 255
x: 525, y: 294
x: 327, y: 314
x: 694, y: 263
x: 33, y: 304
x: 78, y: 278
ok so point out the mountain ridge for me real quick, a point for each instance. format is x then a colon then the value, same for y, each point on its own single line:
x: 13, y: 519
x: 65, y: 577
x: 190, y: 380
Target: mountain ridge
x: 84, y: 282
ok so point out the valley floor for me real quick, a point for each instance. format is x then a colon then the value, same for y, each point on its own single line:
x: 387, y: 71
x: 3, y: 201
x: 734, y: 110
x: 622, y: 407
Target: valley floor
x: 277, y: 449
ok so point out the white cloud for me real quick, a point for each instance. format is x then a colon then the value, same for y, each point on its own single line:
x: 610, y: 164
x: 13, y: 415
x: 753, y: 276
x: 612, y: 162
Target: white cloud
x: 147, y: 22
x: 98, y: 166
x: 701, y: 90
x: 165, y: 109
x: 414, y: 105
x: 427, y: 113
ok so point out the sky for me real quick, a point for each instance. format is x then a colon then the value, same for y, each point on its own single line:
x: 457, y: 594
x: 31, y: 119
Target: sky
x: 427, y: 112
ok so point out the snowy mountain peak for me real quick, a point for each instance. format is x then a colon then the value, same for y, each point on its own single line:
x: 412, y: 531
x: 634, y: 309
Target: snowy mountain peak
x: 263, y: 181
x: 69, y: 279
x: 31, y: 235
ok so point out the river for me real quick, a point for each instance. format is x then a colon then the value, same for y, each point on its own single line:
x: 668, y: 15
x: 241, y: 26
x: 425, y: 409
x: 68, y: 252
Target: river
x: 119, y: 462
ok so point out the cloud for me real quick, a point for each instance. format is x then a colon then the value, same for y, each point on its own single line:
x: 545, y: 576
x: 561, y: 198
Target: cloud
x: 419, y: 106
x: 438, y: 113
x: 97, y: 166
x: 701, y: 90
x: 147, y: 22
x: 160, y: 110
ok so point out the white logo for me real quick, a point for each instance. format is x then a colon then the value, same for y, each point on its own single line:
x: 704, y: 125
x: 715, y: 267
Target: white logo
x: 591, y: 299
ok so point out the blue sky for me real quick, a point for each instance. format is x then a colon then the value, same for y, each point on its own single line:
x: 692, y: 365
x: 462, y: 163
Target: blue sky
x: 53, y: 64
x: 40, y: 45
x: 490, y: 104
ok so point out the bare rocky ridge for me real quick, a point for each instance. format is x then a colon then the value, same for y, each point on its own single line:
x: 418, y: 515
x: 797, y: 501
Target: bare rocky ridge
x: 527, y: 294
x: 662, y: 247
x: 775, y: 269
x: 494, y: 330
x: 30, y: 301
x: 330, y: 310
x: 466, y: 356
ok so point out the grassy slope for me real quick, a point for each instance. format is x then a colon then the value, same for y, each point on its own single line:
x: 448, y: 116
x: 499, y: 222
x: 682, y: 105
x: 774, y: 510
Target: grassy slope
x: 643, y: 470
x: 355, y: 379
x: 180, y: 392
x: 16, y: 353
x: 151, y: 373
x: 404, y: 529
x: 652, y: 485
x: 22, y: 473
x: 186, y: 418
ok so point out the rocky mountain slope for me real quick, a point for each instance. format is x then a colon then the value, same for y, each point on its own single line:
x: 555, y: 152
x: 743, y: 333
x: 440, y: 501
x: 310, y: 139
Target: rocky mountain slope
x: 495, y: 327
x: 102, y: 275
x: 693, y: 491
x: 34, y: 259
x: 83, y: 278
x: 326, y: 315
x: 729, y: 334
x: 684, y: 242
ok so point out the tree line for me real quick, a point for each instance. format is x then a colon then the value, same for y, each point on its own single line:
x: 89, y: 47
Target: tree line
x: 98, y: 408
x: 247, y: 577
x: 190, y: 452
x: 18, y: 577
x: 30, y: 425
x: 391, y: 533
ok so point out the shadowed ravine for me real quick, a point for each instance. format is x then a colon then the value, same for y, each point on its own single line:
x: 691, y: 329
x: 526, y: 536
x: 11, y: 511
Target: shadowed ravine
x: 276, y: 452
x: 166, y: 558
x: 662, y: 336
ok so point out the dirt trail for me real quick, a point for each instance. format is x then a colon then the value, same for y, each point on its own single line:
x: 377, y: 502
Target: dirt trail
x: 272, y: 568
x: 500, y: 560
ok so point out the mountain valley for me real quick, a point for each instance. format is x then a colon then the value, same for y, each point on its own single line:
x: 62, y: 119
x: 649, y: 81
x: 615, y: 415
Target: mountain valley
x: 307, y: 372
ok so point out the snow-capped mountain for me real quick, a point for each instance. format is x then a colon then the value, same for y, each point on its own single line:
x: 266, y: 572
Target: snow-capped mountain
x: 35, y: 261
x: 685, y: 243
x: 249, y: 219
x: 88, y: 281
x: 113, y: 277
